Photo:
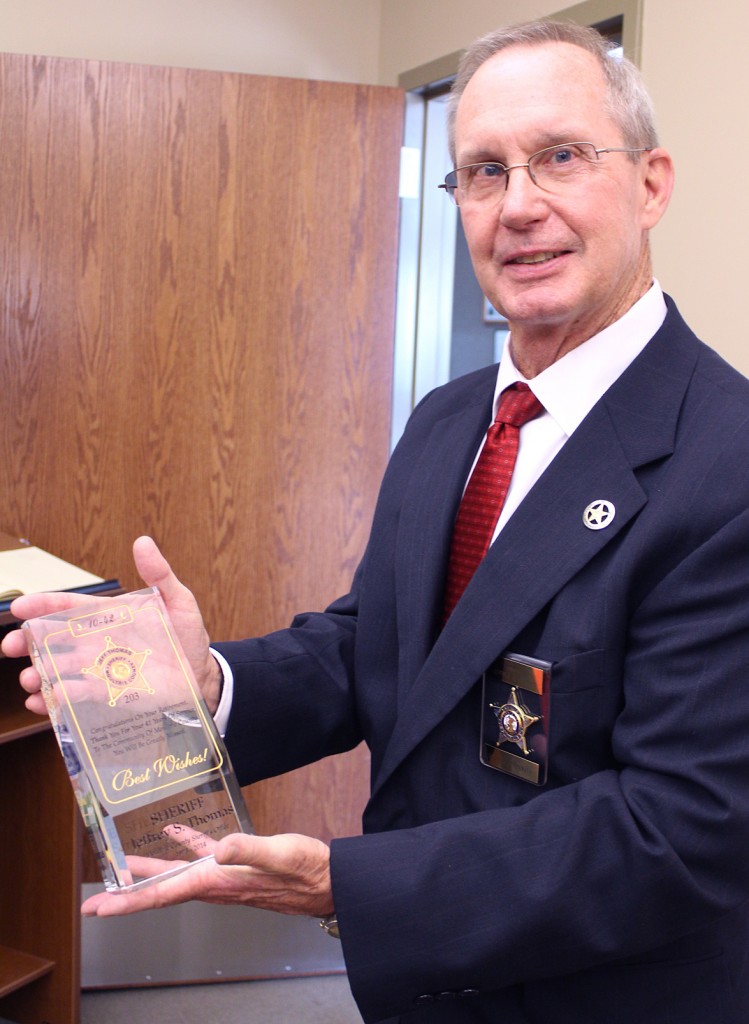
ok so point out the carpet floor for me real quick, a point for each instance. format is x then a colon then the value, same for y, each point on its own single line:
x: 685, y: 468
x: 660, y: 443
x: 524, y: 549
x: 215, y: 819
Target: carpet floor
x: 318, y: 1000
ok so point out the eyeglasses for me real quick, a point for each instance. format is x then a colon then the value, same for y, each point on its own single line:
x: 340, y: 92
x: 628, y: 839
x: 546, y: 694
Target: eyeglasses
x: 552, y: 169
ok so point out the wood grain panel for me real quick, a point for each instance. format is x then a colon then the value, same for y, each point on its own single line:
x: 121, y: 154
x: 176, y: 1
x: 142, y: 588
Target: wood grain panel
x: 198, y: 277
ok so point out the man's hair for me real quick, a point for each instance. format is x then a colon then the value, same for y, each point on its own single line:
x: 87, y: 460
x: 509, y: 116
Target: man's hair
x: 627, y: 100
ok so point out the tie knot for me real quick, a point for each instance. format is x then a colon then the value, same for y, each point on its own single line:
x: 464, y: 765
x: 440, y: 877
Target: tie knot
x: 517, y: 405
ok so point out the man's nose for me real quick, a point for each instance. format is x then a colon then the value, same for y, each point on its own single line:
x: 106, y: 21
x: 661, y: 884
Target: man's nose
x: 522, y: 200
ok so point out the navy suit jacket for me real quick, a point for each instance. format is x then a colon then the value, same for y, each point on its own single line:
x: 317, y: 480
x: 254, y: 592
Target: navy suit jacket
x: 617, y: 891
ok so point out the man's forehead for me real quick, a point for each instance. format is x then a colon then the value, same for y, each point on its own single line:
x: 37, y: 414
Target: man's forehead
x: 526, y: 75
x: 549, y: 58
x: 553, y: 91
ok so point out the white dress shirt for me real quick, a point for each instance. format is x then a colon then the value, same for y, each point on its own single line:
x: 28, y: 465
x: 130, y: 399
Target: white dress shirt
x: 568, y: 390
x: 570, y: 387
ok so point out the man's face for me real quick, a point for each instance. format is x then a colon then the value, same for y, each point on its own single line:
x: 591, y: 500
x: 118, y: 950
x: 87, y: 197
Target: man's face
x: 559, y: 266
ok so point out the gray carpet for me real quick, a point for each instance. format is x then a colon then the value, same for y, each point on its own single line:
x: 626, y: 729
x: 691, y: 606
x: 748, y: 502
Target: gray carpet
x: 320, y: 1000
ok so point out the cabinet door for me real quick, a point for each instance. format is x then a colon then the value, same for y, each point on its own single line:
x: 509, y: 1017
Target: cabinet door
x: 198, y: 277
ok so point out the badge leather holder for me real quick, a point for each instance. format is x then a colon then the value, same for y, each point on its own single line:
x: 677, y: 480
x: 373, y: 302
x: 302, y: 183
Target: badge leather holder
x: 515, y: 717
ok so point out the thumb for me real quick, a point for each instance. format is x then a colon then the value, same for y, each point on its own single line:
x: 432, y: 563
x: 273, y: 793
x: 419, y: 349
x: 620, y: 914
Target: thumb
x: 185, y: 615
x: 238, y: 848
x: 154, y: 569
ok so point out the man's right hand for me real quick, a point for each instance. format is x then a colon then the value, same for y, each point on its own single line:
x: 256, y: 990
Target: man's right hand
x: 183, y: 610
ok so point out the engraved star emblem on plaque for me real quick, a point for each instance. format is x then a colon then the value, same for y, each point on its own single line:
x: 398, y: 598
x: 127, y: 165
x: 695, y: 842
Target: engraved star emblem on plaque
x: 514, y: 720
x: 121, y: 669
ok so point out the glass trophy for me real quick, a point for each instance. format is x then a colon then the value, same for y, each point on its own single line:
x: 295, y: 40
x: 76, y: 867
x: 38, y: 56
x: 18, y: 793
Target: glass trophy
x: 150, y: 772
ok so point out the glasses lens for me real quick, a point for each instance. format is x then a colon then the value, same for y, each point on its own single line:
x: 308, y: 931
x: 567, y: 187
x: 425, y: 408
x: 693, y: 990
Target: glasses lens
x: 561, y: 165
x: 477, y: 181
x: 450, y: 184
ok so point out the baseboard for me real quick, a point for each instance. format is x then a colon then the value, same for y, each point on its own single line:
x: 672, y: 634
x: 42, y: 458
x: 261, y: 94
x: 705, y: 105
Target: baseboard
x: 199, y: 942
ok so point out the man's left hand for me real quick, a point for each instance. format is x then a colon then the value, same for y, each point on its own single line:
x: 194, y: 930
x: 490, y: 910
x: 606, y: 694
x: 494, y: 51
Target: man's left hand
x: 286, y: 873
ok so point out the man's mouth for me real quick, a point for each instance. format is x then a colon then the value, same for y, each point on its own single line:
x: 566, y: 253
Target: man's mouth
x: 536, y: 257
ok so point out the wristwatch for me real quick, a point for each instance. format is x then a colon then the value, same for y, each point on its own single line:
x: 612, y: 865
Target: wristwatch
x: 330, y: 925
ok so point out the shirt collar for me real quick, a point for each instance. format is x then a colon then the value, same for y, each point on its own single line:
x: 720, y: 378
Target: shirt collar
x: 570, y: 387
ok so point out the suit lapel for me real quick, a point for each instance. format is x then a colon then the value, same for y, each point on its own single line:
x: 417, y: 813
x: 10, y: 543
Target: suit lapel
x: 425, y: 528
x: 541, y: 548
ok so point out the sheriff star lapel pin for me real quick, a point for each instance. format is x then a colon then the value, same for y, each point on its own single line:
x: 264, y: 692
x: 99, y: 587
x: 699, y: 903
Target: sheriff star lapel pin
x: 599, y: 514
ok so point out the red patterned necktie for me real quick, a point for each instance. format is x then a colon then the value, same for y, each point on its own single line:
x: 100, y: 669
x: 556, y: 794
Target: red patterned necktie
x: 486, y: 491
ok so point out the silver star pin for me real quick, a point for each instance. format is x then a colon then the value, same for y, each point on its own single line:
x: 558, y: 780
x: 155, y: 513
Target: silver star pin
x: 599, y: 514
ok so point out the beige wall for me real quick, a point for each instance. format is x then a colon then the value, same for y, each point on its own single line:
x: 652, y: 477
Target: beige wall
x: 416, y: 32
x: 338, y: 40
x: 694, y: 61
x: 692, y: 57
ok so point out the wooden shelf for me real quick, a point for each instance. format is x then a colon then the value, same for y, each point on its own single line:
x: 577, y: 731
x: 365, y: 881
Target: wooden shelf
x: 16, y: 722
x: 40, y: 876
x: 18, y: 969
x: 40, y: 862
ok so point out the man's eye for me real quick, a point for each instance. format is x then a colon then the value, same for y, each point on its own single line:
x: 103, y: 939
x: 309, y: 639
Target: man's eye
x: 485, y: 172
x: 561, y: 157
x: 564, y: 158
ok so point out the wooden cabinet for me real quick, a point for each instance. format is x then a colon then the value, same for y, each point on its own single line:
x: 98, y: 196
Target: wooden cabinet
x: 39, y: 868
x: 40, y: 839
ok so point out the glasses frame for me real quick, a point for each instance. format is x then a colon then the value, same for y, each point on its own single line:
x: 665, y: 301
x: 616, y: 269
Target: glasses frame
x: 452, y: 187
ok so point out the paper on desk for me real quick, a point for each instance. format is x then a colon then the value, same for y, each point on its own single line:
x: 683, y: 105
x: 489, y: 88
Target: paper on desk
x: 30, y: 570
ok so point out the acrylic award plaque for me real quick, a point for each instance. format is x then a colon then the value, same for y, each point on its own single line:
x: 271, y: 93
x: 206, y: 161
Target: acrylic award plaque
x: 141, y: 749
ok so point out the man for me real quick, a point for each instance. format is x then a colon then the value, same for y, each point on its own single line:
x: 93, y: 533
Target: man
x: 559, y: 813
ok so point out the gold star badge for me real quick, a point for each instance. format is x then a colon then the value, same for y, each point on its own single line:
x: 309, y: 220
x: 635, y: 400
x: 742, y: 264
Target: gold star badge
x: 121, y: 669
x: 514, y: 721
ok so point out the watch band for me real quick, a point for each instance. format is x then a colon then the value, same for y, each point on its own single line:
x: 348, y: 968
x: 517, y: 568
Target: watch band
x: 330, y: 925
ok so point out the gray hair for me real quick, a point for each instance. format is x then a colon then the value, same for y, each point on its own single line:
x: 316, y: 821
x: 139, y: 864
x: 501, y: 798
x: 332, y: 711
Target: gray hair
x: 627, y: 100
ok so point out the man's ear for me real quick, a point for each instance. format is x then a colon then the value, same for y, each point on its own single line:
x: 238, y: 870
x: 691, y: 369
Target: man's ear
x: 658, y: 184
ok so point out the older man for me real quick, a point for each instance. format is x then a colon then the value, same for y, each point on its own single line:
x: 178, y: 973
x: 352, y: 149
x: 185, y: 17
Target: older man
x: 548, y: 662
